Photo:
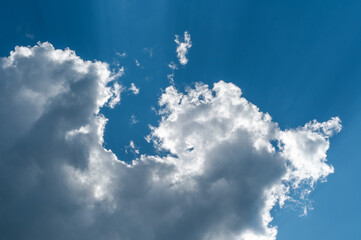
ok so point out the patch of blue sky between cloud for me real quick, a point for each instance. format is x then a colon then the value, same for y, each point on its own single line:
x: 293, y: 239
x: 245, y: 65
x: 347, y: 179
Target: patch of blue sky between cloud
x: 223, y: 188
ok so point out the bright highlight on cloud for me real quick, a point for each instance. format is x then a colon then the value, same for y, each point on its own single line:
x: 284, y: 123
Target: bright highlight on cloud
x: 183, y: 47
x: 228, y: 165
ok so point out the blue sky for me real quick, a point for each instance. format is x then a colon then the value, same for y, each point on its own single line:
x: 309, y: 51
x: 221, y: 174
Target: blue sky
x: 297, y: 61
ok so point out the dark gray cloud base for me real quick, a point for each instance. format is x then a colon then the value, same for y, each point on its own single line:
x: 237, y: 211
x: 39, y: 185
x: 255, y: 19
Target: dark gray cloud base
x: 221, y: 180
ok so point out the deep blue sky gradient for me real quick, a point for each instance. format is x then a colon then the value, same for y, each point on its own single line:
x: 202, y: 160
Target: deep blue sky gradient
x: 297, y: 60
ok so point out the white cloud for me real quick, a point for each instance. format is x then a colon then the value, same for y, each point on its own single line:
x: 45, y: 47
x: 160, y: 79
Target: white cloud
x: 133, y: 119
x: 118, y: 73
x: 116, y: 91
x: 223, y: 145
x: 183, y: 47
x: 122, y: 55
x: 51, y: 136
x: 221, y: 178
x: 134, y: 89
x: 137, y: 63
x: 172, y: 66
x: 170, y: 76
x: 132, y: 148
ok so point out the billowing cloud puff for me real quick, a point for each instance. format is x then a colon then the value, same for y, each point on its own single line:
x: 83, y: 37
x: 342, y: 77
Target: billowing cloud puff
x: 226, y: 164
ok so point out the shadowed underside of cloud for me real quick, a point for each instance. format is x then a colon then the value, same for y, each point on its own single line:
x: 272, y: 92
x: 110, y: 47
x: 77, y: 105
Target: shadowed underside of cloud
x: 227, y: 167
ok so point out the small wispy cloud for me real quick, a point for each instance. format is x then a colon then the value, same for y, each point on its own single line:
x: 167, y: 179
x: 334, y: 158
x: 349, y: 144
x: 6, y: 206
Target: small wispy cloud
x: 122, y: 55
x: 183, y: 47
x: 173, y: 67
x: 118, y: 73
x: 133, y: 120
x: 116, y: 91
x: 131, y: 148
x: 137, y: 63
x: 170, y: 77
x: 134, y: 89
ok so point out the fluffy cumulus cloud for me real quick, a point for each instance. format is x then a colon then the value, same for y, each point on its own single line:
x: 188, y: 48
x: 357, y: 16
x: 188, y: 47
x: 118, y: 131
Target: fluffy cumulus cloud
x: 183, y: 47
x: 226, y: 163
